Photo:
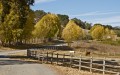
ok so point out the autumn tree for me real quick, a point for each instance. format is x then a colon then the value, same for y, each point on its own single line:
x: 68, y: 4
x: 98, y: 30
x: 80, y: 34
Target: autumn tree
x: 95, y: 26
x: 13, y: 17
x: 110, y: 34
x: 72, y: 32
x: 98, y: 32
x: 29, y: 26
x: 47, y: 27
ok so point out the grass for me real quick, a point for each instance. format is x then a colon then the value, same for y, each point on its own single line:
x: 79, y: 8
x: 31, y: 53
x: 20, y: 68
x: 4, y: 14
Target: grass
x: 97, y: 49
x: 70, y: 71
x: 115, y: 43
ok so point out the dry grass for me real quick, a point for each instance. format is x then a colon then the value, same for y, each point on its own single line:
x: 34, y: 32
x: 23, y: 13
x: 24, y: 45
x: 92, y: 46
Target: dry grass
x: 70, y: 71
x: 5, y: 49
x: 97, y: 49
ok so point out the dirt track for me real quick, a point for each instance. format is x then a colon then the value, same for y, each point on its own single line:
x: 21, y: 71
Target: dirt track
x: 18, y: 67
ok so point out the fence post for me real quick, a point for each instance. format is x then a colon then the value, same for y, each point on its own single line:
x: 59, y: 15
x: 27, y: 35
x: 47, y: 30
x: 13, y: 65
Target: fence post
x: 80, y: 62
x: 63, y: 58
x: 91, y: 61
x: 39, y: 57
x: 35, y: 54
x: 104, y: 66
x: 70, y: 60
x: 42, y: 57
x: 28, y: 53
x: 51, y: 58
x: 57, y: 58
x: 47, y: 57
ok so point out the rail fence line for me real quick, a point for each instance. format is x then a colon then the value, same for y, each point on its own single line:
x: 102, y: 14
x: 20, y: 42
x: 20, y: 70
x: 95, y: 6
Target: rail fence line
x: 88, y: 63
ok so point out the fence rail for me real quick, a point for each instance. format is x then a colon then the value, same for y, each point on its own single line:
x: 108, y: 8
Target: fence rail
x: 103, y: 65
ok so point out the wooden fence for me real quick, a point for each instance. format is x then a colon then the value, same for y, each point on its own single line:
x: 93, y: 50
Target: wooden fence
x: 104, y: 66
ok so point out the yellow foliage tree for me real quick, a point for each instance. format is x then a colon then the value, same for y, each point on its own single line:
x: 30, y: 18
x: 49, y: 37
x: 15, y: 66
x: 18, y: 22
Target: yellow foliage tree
x: 47, y: 27
x: 95, y: 26
x: 72, y: 32
x: 98, y: 33
x: 109, y: 34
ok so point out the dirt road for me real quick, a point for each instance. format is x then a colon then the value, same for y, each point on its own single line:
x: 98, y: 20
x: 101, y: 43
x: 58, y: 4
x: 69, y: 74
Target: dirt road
x: 18, y: 67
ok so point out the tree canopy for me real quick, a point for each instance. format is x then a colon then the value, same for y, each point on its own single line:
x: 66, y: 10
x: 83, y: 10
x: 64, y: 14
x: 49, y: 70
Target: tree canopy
x: 72, y: 32
x: 100, y: 32
x: 47, y: 27
x: 13, y: 18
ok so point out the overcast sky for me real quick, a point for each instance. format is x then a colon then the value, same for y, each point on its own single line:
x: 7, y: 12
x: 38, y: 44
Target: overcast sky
x: 93, y: 11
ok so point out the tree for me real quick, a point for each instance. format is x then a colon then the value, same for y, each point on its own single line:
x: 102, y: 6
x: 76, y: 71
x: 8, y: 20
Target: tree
x: 79, y: 22
x: 98, y: 33
x: 39, y: 14
x: 47, y: 27
x: 64, y: 19
x: 72, y: 32
x: 88, y: 25
x: 108, y: 26
x: 13, y: 17
x: 29, y: 26
x: 95, y: 26
x: 117, y: 30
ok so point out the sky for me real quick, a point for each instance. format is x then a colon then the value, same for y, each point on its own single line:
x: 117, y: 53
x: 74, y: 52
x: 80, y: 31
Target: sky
x: 106, y: 12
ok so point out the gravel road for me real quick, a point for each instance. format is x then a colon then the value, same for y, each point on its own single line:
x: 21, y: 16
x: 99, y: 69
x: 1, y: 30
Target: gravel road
x: 18, y: 67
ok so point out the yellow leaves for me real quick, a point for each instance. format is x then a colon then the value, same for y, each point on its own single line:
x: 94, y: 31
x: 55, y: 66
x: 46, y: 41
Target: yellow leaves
x: 0, y: 8
x: 95, y: 26
x: 48, y: 26
x: 98, y: 33
x: 72, y: 32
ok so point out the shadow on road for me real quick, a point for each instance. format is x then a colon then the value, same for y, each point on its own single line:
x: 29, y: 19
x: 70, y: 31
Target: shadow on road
x: 13, y: 60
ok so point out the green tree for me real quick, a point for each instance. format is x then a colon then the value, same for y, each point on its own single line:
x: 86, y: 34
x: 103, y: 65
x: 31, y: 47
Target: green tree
x: 72, y: 32
x: 47, y: 27
x: 39, y: 14
x: 79, y: 22
x: 88, y: 25
x: 64, y: 19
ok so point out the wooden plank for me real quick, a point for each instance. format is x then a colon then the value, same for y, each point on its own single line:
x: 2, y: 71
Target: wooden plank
x: 80, y: 63
x: 91, y: 60
x: 97, y: 69
x: 111, y: 72
x: 85, y: 67
x: 104, y: 66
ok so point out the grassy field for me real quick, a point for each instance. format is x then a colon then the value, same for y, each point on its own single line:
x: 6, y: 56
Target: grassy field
x: 96, y: 49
